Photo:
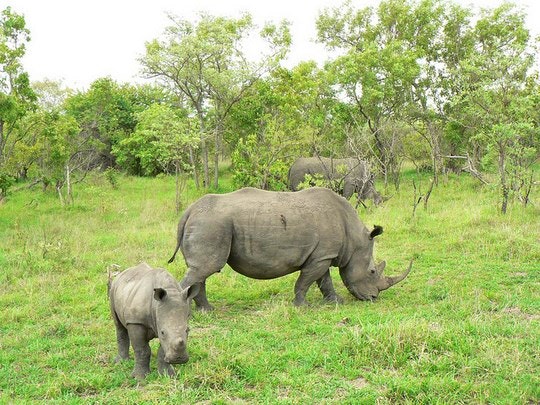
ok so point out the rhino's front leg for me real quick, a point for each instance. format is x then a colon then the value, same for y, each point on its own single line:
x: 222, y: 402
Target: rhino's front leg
x: 164, y: 368
x: 308, y: 275
x: 327, y: 288
x: 139, y: 341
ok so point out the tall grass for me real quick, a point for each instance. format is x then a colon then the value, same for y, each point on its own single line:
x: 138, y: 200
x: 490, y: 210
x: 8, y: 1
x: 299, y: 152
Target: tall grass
x: 462, y: 328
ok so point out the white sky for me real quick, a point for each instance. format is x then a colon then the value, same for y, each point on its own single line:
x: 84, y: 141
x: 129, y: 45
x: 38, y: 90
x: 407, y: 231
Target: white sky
x: 78, y: 42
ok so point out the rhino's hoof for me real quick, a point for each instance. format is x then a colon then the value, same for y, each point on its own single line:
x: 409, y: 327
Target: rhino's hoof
x: 120, y: 359
x: 167, y: 371
x: 205, y: 308
x: 140, y: 374
x: 336, y: 299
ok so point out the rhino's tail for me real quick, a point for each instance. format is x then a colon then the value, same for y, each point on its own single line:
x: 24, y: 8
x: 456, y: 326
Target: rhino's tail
x: 179, y: 235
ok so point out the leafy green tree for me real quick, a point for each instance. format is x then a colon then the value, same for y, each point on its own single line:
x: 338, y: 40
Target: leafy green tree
x: 161, y: 137
x: 204, y: 62
x: 263, y: 162
x: 16, y: 95
x: 107, y: 111
x: 163, y: 141
x: 60, y: 151
x: 294, y: 108
x: 379, y: 62
x: 496, y: 105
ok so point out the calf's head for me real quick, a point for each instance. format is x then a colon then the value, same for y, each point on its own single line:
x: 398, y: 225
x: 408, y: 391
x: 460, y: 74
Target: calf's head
x: 173, y: 308
x: 363, y: 278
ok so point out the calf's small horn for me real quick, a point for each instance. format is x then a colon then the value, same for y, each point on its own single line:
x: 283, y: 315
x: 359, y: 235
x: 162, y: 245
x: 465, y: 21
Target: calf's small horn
x: 387, y: 282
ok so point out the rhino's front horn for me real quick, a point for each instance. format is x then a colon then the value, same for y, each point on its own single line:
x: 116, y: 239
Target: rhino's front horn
x: 387, y: 282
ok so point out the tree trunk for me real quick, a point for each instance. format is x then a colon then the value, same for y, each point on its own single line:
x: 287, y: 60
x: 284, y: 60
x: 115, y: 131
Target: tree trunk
x: 502, y: 174
x: 204, y: 148
x: 2, y: 142
x: 194, y: 165
x: 59, y: 191
x: 217, y: 146
x: 177, y: 200
x: 69, y: 196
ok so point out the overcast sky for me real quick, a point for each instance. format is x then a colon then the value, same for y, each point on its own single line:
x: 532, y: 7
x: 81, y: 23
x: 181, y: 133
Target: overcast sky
x: 78, y: 42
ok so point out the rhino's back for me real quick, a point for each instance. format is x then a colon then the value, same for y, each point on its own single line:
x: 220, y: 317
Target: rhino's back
x: 264, y: 234
x: 132, y: 293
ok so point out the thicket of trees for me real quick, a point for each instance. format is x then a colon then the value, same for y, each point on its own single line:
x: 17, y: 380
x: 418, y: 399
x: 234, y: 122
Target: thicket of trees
x: 422, y: 81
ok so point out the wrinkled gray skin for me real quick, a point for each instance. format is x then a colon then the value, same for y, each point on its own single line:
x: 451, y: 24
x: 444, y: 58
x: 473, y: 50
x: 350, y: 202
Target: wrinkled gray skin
x: 147, y: 303
x: 351, y: 175
x: 265, y: 235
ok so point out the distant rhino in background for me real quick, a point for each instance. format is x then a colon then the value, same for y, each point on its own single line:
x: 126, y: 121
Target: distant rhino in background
x: 349, y: 176
x: 147, y: 303
x: 265, y: 235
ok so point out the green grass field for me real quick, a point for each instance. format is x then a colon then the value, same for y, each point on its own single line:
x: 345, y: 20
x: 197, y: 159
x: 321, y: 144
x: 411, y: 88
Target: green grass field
x: 464, y: 327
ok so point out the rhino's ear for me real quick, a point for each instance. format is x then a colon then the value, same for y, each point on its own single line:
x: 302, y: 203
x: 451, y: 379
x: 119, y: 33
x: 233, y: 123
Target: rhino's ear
x: 191, y: 291
x: 159, y: 294
x: 377, y: 230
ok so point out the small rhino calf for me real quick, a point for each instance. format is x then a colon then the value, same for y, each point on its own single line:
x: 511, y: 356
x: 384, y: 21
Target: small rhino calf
x: 147, y: 303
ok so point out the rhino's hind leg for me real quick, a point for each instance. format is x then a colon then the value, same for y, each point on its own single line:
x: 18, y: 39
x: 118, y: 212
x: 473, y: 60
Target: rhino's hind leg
x: 122, y: 340
x: 308, y: 275
x: 200, y: 299
x: 327, y: 288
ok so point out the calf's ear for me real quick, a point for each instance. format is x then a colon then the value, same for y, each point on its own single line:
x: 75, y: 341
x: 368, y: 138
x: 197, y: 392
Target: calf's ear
x: 159, y: 293
x: 377, y: 230
x: 191, y: 291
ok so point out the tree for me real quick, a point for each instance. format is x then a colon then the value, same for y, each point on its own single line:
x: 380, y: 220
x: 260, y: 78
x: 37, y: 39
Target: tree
x: 205, y: 64
x: 107, y: 111
x: 16, y: 95
x: 163, y: 140
x: 291, y: 113
x: 497, y: 104
x: 379, y: 62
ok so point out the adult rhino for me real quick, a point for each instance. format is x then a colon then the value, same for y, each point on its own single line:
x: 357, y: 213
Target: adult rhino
x: 346, y: 176
x: 265, y: 235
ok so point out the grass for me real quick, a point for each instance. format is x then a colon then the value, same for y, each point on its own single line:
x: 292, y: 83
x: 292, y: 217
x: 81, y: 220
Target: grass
x: 463, y: 328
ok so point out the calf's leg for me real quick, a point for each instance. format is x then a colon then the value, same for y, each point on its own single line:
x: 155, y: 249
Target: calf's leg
x: 138, y: 336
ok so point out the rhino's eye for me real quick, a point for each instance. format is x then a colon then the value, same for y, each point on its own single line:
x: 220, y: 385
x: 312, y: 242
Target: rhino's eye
x: 372, y: 271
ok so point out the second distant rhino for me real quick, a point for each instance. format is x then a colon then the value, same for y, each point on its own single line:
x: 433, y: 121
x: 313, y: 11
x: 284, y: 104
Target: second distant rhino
x: 346, y: 176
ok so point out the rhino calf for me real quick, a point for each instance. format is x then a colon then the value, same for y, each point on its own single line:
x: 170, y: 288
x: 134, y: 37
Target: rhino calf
x: 147, y: 303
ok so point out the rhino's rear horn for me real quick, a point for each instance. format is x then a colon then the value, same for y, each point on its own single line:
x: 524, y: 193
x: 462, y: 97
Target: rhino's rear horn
x: 387, y: 282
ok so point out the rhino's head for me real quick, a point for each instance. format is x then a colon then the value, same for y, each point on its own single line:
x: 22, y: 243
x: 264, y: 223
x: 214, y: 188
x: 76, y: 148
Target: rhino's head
x: 172, y: 314
x: 363, y: 278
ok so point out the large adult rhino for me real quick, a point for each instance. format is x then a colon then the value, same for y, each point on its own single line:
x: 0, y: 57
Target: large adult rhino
x: 347, y: 176
x: 265, y: 235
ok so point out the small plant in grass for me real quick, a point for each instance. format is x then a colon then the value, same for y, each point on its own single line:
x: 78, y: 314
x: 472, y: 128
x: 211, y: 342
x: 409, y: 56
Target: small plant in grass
x: 111, y: 174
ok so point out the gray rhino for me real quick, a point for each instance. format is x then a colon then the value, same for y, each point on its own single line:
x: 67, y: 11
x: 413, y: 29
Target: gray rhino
x: 265, y: 235
x: 147, y: 303
x: 346, y: 176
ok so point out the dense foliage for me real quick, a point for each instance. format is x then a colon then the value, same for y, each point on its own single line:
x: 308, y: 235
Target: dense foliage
x: 427, y: 82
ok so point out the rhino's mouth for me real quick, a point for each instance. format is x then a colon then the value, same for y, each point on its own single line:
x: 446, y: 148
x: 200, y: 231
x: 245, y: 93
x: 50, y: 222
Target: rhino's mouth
x: 178, y: 360
x: 360, y: 296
